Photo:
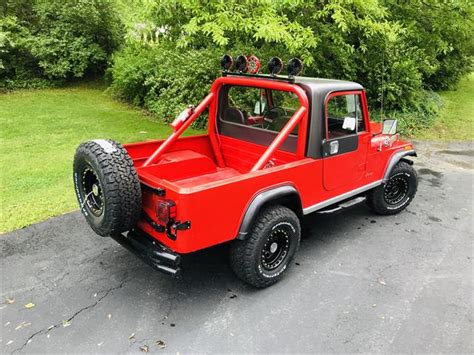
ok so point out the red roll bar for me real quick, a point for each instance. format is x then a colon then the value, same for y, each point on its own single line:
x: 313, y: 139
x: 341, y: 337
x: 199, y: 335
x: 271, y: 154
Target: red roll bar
x: 299, y: 117
x: 175, y: 135
x: 280, y: 138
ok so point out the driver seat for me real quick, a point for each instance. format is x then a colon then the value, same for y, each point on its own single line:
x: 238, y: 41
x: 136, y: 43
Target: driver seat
x: 233, y: 114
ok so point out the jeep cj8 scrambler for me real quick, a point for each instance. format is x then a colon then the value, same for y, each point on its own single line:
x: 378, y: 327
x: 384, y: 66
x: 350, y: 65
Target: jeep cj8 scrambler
x: 277, y: 148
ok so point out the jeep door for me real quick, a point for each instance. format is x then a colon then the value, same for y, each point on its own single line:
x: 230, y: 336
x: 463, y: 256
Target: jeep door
x: 347, y: 138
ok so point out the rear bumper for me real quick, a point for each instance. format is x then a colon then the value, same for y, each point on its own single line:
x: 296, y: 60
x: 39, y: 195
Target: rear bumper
x: 151, y: 251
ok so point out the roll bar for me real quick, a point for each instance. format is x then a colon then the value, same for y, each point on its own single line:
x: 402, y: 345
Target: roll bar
x: 175, y: 135
x: 299, y: 117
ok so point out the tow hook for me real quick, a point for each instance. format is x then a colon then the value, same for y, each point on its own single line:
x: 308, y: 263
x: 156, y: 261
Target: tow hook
x: 173, y: 227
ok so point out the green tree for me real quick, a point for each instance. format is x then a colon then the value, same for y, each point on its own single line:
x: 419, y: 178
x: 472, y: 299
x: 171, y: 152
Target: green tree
x: 56, y: 40
x: 226, y: 24
x: 442, y: 32
x: 398, y: 49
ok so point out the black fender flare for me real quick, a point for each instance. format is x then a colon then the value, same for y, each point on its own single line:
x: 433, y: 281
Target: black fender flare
x: 395, y: 158
x: 280, y: 193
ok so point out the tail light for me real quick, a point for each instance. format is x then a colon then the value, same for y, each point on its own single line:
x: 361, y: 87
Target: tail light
x: 166, y: 211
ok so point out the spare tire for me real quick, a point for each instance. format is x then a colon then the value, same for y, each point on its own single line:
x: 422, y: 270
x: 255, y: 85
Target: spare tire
x: 107, y: 187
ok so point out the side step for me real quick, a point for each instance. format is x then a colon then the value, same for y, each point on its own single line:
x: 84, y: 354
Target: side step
x: 151, y: 251
x: 342, y: 206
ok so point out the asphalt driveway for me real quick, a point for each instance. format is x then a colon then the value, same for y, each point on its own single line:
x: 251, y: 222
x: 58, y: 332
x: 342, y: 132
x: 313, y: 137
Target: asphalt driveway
x: 361, y: 283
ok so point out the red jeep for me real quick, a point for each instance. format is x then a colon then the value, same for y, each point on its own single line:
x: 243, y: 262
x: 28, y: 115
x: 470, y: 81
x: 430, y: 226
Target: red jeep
x: 277, y: 148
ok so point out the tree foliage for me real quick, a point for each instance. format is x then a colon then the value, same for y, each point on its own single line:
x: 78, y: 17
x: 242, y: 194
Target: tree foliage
x: 441, y: 31
x: 398, y: 49
x: 44, y: 40
x: 162, y: 79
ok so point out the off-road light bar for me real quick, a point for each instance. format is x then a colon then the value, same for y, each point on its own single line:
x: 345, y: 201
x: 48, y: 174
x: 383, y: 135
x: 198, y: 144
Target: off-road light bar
x: 227, y: 62
x: 241, y: 63
x: 295, y: 66
x: 275, y: 65
x: 253, y: 64
x: 250, y: 65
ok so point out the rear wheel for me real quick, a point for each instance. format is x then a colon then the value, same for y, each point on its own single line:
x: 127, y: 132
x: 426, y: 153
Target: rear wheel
x: 107, y: 187
x: 263, y: 257
x: 397, y: 193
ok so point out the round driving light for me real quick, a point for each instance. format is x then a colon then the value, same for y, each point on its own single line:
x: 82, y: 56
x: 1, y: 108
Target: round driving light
x: 275, y: 65
x: 253, y: 64
x: 226, y: 62
x: 241, y: 63
x: 295, y: 66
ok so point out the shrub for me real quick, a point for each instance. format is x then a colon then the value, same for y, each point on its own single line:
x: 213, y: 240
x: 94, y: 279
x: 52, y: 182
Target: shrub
x: 162, y: 79
x: 416, y: 117
x: 441, y: 31
x: 397, y: 49
x: 44, y: 41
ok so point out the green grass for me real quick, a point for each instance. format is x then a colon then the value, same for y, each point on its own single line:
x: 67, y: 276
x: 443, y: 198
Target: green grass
x: 456, y: 119
x: 40, y: 130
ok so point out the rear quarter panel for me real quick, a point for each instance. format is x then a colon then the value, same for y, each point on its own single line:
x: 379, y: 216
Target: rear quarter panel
x: 216, y: 210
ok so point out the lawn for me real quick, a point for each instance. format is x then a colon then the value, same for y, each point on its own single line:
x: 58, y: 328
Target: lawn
x: 456, y: 119
x: 40, y: 130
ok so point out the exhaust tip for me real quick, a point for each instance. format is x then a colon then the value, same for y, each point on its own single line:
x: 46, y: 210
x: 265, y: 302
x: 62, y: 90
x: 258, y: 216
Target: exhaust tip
x: 168, y: 270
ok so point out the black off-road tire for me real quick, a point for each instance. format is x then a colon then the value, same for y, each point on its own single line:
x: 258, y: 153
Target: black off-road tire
x: 397, y: 193
x: 107, y: 187
x: 250, y: 258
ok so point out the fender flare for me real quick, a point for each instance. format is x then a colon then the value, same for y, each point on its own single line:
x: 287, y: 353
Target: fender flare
x: 260, y: 200
x: 394, y: 159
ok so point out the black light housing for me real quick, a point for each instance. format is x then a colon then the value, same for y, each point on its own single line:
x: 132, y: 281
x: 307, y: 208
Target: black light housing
x: 295, y: 66
x: 275, y: 65
x: 241, y: 63
x: 226, y: 62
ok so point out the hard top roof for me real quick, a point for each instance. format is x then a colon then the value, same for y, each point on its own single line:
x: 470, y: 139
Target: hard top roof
x: 324, y: 86
x: 318, y: 86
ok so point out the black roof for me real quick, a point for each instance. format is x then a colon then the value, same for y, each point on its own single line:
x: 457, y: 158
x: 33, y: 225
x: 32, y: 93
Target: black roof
x: 322, y: 87
x: 318, y: 86
x: 317, y: 90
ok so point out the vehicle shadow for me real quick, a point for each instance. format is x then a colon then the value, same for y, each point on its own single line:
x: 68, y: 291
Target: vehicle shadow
x: 98, y: 274
x: 210, y: 268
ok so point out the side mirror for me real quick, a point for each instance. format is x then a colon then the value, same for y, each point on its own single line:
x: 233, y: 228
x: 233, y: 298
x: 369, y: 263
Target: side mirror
x: 349, y: 123
x: 182, y: 117
x: 389, y: 127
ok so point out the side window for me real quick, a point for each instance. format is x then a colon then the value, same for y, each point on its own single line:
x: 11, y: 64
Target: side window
x: 344, y: 116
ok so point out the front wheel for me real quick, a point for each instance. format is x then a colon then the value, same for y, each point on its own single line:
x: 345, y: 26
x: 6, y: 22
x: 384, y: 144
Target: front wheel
x: 397, y: 193
x: 263, y: 257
